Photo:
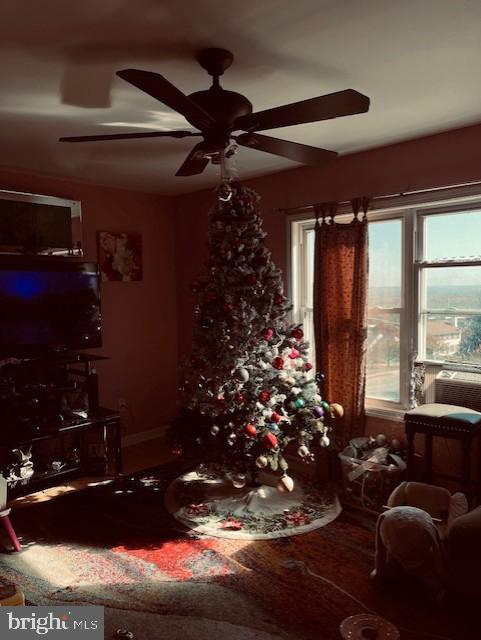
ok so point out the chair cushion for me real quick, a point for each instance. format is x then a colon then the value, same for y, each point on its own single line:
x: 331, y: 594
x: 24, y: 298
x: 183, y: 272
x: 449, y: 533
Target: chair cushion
x: 447, y: 414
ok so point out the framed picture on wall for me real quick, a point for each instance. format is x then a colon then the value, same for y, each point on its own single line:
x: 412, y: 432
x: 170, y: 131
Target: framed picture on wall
x: 120, y: 255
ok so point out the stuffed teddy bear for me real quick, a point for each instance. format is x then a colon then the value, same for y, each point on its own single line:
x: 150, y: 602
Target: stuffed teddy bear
x: 411, y: 534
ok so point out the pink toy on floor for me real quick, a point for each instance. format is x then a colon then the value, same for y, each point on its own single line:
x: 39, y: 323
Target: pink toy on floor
x: 4, y: 515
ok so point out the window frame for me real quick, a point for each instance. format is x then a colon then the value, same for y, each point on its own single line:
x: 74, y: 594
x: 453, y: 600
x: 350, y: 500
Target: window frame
x: 412, y: 215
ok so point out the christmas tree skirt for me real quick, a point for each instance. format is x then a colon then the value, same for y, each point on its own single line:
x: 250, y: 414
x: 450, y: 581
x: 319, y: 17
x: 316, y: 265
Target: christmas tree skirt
x: 210, y: 504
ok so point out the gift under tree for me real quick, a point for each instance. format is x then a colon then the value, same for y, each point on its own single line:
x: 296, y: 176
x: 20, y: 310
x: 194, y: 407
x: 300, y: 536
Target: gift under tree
x: 247, y: 392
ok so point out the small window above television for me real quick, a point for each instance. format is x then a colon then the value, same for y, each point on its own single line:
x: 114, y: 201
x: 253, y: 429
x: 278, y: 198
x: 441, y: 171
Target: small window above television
x: 39, y: 225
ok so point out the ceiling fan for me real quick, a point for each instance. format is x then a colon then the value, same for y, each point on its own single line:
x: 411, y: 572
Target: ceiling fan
x: 217, y: 113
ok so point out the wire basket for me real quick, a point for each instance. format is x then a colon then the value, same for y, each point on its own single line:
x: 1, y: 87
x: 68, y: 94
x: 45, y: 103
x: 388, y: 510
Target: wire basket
x: 366, y: 482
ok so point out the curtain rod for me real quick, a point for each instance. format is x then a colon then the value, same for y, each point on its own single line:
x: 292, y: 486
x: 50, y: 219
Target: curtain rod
x: 451, y: 190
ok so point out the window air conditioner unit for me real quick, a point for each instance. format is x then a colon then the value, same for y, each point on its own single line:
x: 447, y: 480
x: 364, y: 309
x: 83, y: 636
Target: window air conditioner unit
x: 462, y: 388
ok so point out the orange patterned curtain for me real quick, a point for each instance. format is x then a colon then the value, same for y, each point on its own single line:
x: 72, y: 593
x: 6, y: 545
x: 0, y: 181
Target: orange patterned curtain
x: 340, y: 313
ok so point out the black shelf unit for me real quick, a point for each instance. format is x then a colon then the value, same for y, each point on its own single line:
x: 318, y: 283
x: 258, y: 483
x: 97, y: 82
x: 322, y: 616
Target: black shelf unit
x: 39, y: 425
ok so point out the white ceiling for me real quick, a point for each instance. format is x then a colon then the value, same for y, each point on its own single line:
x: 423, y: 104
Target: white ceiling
x: 418, y: 60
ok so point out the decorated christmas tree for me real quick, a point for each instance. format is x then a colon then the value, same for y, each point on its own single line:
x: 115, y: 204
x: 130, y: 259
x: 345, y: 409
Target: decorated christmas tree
x: 247, y: 392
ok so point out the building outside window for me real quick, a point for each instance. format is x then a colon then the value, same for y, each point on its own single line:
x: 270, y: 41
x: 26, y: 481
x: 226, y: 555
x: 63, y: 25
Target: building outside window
x: 424, y: 297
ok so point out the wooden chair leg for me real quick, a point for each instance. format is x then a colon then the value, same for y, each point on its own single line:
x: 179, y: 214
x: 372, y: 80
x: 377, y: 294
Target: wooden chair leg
x: 466, y: 469
x: 410, y: 454
x: 428, y: 457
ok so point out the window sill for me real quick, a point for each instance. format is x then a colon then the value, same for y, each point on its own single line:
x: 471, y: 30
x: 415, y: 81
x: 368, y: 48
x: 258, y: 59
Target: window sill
x: 395, y: 415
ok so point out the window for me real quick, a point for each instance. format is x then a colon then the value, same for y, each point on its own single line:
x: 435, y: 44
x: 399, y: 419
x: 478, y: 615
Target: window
x: 383, y: 380
x: 424, y: 298
x: 449, y: 275
x: 302, y: 280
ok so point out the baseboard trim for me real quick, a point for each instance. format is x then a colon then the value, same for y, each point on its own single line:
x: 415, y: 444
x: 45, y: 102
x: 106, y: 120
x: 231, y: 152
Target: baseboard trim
x: 132, y: 439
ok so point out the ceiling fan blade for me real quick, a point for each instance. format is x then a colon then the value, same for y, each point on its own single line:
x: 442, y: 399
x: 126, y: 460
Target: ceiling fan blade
x: 333, y: 105
x: 195, y: 162
x: 130, y: 136
x: 292, y: 150
x: 158, y: 87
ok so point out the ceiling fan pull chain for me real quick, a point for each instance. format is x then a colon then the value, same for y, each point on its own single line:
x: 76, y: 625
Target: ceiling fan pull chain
x: 223, y: 166
x: 225, y: 191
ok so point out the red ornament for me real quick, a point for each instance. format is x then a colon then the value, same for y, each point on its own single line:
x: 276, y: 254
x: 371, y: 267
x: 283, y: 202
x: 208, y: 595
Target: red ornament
x: 275, y: 417
x: 239, y: 398
x: 264, y: 396
x: 278, y: 298
x: 294, y: 354
x: 270, y: 441
x: 267, y: 333
x: 260, y: 261
x: 307, y: 366
x: 228, y: 307
x: 298, y: 333
x: 278, y: 363
x: 250, y: 430
x: 250, y: 278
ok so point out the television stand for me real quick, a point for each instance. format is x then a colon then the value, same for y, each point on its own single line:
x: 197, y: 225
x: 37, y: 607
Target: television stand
x: 52, y: 427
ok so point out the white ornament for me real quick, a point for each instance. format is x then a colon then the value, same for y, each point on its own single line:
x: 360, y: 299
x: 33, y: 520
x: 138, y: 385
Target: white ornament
x: 303, y: 451
x: 324, y: 441
x: 241, y: 374
x: 239, y: 480
x: 285, y: 484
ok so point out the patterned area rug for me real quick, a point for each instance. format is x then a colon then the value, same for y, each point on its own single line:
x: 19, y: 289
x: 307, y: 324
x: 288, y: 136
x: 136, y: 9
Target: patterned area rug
x: 115, y: 545
x: 209, y: 504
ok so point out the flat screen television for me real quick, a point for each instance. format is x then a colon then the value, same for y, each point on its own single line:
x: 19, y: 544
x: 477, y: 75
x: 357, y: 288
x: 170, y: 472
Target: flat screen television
x: 48, y: 303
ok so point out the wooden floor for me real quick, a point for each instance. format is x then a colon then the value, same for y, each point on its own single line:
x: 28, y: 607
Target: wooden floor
x: 135, y: 458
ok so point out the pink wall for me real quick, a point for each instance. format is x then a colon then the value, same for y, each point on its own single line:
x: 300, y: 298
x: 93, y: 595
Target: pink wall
x: 139, y: 318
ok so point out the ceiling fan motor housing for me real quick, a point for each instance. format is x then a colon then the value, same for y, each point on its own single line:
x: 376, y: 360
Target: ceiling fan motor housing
x: 224, y: 106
